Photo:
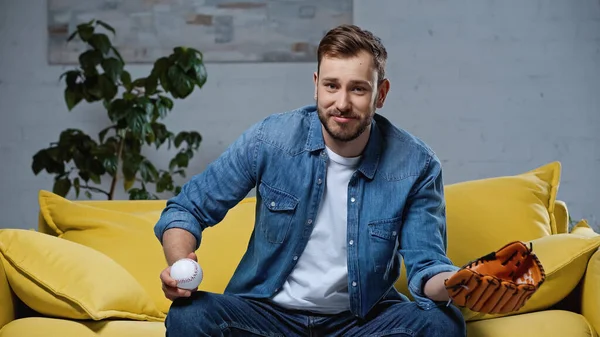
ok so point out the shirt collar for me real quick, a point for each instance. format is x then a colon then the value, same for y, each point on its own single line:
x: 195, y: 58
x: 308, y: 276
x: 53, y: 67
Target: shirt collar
x: 315, y: 140
x: 372, y: 152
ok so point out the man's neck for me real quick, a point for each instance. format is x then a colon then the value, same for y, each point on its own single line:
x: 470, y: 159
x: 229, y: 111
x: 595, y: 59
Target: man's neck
x: 353, y: 148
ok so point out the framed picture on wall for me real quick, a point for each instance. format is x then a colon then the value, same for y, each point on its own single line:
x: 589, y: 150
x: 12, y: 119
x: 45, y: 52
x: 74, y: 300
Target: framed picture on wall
x: 223, y: 30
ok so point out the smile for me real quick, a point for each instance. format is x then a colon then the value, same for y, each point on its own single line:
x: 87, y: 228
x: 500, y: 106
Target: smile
x: 342, y: 119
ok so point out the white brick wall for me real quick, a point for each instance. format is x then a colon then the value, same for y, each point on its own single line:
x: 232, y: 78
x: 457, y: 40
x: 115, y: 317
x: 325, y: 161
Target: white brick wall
x: 495, y: 87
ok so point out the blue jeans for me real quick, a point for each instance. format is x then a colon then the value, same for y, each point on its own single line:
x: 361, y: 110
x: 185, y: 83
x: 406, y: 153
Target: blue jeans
x: 209, y: 314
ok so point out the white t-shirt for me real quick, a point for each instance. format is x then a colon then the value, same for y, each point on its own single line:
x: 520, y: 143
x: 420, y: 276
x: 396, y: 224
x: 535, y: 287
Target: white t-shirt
x: 319, y: 282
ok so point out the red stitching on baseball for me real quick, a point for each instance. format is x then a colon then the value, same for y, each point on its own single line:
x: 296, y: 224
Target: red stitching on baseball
x: 193, y: 275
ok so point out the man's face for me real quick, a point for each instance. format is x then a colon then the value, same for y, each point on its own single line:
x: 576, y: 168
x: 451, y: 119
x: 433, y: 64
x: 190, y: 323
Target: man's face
x: 347, y: 95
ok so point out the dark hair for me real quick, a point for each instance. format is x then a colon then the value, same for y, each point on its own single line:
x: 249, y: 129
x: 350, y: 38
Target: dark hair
x: 349, y: 41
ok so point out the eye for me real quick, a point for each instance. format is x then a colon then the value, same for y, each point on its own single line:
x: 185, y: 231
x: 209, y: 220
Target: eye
x: 359, y: 89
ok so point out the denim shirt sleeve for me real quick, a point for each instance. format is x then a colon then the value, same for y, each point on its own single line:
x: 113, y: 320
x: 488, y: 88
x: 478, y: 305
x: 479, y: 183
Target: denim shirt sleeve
x: 423, y: 241
x: 207, y: 197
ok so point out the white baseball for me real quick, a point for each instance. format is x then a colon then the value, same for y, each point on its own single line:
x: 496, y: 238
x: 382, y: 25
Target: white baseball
x: 187, y: 273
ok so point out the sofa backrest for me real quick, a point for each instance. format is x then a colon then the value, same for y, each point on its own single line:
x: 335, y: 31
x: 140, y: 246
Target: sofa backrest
x: 127, y: 206
x: 229, y: 239
x: 140, y: 206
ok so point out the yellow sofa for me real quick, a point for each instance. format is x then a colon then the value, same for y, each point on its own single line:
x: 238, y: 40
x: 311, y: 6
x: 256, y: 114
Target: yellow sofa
x: 91, y: 267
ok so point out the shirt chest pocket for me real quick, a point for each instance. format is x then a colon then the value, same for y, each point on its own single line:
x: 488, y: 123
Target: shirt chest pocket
x: 383, y: 239
x: 278, y: 210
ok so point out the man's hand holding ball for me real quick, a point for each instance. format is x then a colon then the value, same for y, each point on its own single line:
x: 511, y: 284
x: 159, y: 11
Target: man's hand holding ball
x: 182, y: 278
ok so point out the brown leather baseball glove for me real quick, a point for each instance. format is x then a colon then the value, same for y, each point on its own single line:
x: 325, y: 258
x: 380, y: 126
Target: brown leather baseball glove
x: 497, y: 283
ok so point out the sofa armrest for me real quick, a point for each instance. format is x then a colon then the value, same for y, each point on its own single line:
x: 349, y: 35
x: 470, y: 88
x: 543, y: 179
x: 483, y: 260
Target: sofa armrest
x: 7, y: 298
x: 590, y: 300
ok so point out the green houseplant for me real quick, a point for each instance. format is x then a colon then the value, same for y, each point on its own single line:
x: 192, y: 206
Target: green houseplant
x: 135, y: 108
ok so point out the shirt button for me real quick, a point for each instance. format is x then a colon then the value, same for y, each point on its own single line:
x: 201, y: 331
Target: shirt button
x: 394, y: 233
x: 354, y: 284
x: 309, y: 221
x: 352, y: 199
x: 351, y: 242
x: 272, y: 203
x: 295, y: 257
x: 319, y: 181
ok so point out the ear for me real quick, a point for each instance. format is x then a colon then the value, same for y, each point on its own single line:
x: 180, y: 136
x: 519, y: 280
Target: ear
x: 316, y: 81
x: 382, y: 91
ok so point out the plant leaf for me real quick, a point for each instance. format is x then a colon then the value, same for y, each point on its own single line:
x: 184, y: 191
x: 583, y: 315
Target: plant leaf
x: 180, y: 138
x: 92, y: 88
x: 131, y: 164
x: 160, y: 67
x: 90, y: 58
x: 119, y: 109
x: 128, y: 184
x: 106, y: 26
x: 108, y: 89
x: 72, y: 36
x: 136, y: 119
x: 164, y: 183
x: 167, y: 102
x: 194, y: 139
x: 126, y: 79
x: 150, y: 85
x: 95, y: 178
x: 185, y: 58
x: 148, y: 172
x: 160, y: 111
x: 72, y: 98
x: 112, y: 68
x: 140, y: 82
x: 71, y: 77
x: 146, y: 104
x: 116, y: 52
x: 84, y: 176
x: 85, y: 31
x: 180, y: 84
x: 101, y: 42
x: 200, y: 74
x: 77, y: 186
x: 161, y: 134
x: 139, y: 194
x: 39, y: 162
x: 61, y: 186
x: 180, y: 160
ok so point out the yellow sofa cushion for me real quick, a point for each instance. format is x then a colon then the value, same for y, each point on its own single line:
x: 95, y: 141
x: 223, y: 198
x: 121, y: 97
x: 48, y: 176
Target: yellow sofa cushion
x: 64, y: 279
x: 483, y: 215
x: 7, y: 298
x: 550, y: 323
x: 50, y: 327
x: 591, y: 292
x: 584, y: 229
x: 564, y: 258
x: 127, y: 238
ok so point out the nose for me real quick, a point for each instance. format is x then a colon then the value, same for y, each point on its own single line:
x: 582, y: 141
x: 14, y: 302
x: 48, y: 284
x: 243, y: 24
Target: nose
x: 343, y: 101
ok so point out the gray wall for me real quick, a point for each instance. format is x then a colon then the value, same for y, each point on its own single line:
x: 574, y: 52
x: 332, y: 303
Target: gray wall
x: 495, y: 87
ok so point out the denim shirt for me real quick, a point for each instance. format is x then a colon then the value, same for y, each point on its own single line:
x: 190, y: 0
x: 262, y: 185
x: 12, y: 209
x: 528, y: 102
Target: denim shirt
x: 395, y: 203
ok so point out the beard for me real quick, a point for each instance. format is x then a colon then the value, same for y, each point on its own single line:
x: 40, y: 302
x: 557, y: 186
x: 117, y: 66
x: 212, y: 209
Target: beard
x: 344, y: 132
